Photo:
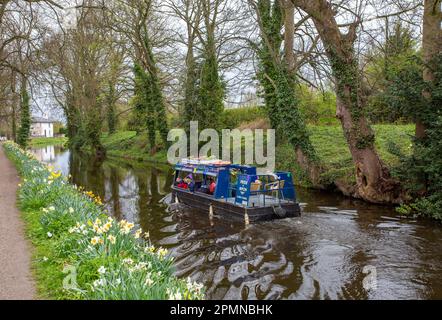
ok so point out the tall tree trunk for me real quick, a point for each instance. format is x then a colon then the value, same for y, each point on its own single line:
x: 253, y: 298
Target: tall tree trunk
x: 15, y: 101
x: 431, y: 47
x: 305, y: 161
x: 374, y: 183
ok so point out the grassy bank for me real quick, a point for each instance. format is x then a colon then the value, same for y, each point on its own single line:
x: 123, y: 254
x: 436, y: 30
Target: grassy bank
x: 42, y: 142
x: 329, y: 142
x: 331, y: 147
x: 80, y: 252
x: 129, y: 145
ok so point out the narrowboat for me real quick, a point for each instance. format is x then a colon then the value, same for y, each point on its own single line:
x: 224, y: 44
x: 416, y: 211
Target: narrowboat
x: 234, y: 191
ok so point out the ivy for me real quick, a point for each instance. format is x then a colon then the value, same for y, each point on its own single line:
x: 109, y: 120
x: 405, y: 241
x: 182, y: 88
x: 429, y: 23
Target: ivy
x: 211, y: 90
x: 422, y: 171
x: 111, y: 116
x: 149, y: 103
x: 25, y: 119
x: 281, y: 101
x: 346, y: 73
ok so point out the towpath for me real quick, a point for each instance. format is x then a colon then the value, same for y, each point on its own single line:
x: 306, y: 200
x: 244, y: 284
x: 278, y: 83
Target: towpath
x: 16, y: 281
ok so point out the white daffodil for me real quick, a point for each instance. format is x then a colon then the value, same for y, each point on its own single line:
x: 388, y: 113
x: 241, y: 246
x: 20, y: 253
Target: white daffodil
x: 102, y: 270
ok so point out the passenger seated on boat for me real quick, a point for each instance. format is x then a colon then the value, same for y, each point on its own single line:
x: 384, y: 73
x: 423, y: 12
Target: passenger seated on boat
x: 181, y: 183
x: 190, y: 183
x: 212, y: 186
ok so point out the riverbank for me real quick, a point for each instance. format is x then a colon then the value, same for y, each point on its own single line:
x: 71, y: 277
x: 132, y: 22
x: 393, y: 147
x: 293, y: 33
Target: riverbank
x: 82, y: 253
x: 129, y: 145
x: 16, y: 281
x: 41, y: 142
x: 392, y: 141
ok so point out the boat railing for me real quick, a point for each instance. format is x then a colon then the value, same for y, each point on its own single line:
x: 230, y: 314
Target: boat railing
x: 271, y: 194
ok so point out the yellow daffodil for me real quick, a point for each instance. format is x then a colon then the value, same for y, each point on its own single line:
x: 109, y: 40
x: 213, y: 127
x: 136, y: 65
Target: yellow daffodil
x: 138, y: 233
x: 96, y: 240
x: 150, y: 249
x: 162, y: 253
x: 55, y: 175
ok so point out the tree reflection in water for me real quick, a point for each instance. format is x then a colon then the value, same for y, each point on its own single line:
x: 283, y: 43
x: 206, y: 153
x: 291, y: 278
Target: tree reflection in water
x: 321, y: 255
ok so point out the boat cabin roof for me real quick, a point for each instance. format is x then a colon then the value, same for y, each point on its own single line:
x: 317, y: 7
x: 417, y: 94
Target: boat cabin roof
x: 211, y: 167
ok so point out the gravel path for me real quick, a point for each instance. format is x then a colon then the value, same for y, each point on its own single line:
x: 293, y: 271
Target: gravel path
x: 15, y: 259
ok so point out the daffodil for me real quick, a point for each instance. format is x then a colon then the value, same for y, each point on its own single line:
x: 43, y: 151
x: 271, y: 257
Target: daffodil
x: 128, y: 261
x: 148, y: 281
x: 150, y: 249
x: 107, y: 227
x: 174, y: 295
x: 138, y: 233
x: 97, y: 229
x: 55, y: 175
x: 95, y: 240
x: 99, y: 283
x: 102, y: 270
x: 125, y: 227
x: 162, y: 253
x: 112, y: 239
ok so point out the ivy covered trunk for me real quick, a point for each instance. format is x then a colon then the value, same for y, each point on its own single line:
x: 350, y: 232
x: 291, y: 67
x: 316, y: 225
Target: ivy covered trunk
x: 14, y: 106
x: 211, y: 89
x: 190, y: 89
x: 277, y: 75
x: 25, y: 117
x: 431, y: 48
x: 373, y: 181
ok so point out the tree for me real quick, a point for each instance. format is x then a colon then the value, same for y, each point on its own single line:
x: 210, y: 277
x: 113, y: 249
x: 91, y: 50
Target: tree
x: 77, y: 63
x: 373, y: 179
x: 278, y: 77
x: 132, y: 21
x: 189, y: 11
x: 211, y: 90
x: 25, y: 117
x: 387, y: 62
x: 431, y: 47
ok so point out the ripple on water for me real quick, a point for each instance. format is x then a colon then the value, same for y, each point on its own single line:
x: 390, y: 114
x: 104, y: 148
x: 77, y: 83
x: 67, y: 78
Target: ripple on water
x: 321, y: 255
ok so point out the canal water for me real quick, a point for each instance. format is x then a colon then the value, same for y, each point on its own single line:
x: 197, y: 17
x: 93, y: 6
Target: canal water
x: 338, y: 249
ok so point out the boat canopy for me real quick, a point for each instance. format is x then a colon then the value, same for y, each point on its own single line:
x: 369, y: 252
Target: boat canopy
x: 211, y: 167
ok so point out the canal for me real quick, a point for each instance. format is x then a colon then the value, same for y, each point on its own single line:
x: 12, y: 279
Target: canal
x: 339, y: 249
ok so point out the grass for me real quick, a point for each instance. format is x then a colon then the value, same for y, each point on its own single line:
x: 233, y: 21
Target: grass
x: 333, y: 152
x: 80, y: 252
x: 129, y: 145
x: 41, y: 142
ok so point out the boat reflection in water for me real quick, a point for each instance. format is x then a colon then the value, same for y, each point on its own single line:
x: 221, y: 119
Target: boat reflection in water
x: 325, y: 254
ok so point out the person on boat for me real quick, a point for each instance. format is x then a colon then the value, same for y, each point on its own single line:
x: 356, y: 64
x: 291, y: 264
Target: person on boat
x: 181, y: 183
x: 212, y: 186
x: 190, y: 183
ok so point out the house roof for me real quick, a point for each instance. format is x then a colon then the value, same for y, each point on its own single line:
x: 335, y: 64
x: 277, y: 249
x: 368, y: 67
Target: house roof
x: 41, y: 120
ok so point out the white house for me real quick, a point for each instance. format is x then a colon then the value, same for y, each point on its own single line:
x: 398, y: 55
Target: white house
x: 41, y: 127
